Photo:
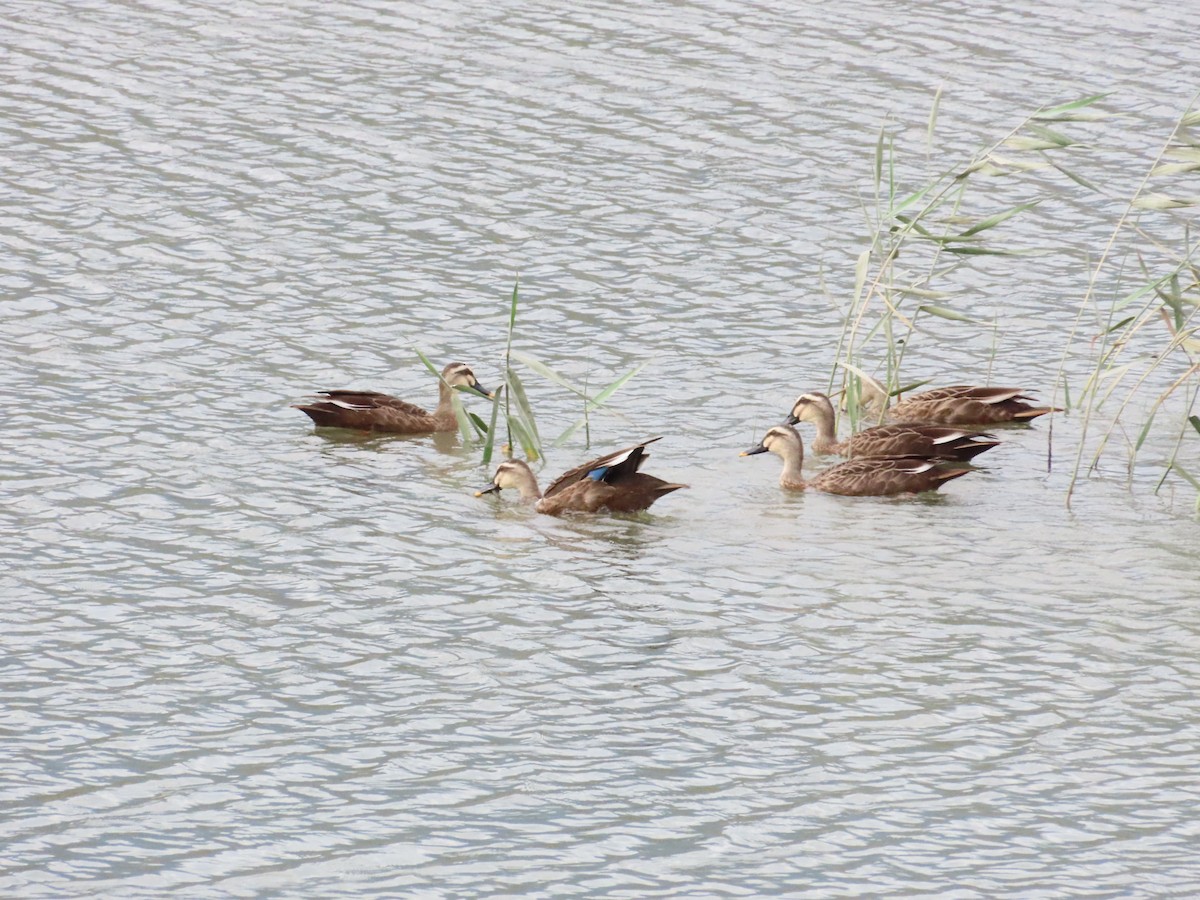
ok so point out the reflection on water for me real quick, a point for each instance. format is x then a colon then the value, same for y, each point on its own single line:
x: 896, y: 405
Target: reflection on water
x: 244, y: 656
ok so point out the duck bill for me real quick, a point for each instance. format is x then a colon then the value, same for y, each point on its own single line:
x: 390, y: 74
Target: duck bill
x: 757, y: 448
x: 792, y: 419
x: 490, y: 489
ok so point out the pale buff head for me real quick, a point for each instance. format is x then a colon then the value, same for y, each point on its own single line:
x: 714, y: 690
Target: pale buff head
x: 460, y: 375
x: 811, y: 407
x: 513, y: 474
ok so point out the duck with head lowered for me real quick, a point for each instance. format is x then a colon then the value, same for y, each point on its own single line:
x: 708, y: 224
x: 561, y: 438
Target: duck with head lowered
x: 373, y: 411
x: 612, y: 483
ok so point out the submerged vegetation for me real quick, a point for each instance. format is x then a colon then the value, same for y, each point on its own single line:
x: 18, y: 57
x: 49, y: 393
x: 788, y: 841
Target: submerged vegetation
x: 919, y: 238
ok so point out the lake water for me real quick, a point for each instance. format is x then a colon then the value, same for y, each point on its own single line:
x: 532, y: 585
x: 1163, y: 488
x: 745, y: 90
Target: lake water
x: 243, y: 658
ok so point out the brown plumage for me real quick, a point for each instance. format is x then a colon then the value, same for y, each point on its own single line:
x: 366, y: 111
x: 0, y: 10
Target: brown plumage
x: 610, y: 482
x: 929, y: 441
x: 868, y: 476
x: 372, y: 411
x: 959, y: 404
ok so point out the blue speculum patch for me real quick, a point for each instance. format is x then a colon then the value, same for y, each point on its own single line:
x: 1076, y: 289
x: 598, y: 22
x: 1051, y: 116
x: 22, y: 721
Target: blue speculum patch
x: 598, y: 474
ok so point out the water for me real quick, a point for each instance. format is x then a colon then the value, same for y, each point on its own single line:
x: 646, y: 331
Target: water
x: 242, y: 658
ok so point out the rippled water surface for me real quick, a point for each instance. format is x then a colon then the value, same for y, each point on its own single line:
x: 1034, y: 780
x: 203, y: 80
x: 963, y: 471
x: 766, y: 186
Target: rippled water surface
x: 244, y: 658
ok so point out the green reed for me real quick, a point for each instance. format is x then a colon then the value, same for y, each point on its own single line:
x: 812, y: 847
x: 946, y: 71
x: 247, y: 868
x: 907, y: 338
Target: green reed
x: 512, y: 399
x: 918, y: 238
x: 470, y: 426
x: 1147, y: 313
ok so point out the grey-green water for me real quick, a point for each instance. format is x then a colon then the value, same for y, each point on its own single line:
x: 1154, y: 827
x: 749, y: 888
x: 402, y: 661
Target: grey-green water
x: 241, y: 658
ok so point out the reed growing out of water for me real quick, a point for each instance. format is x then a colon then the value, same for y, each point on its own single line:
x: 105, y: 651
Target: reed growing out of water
x: 1156, y: 313
x: 510, y: 402
x: 919, y: 238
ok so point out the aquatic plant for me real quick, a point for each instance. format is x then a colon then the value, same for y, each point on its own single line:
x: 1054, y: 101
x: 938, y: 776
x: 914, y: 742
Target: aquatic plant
x: 511, y: 400
x: 1139, y: 317
x: 930, y: 231
x: 1157, y: 314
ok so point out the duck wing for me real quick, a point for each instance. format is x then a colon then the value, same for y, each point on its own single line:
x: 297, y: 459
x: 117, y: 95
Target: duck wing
x: 966, y: 405
x: 608, y: 469
x: 930, y: 441
x: 632, y: 493
x: 885, y: 476
x: 372, y: 400
x: 371, y: 411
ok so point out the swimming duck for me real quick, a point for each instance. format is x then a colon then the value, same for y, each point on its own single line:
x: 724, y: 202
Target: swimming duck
x: 610, y: 482
x: 372, y: 411
x: 929, y: 441
x: 868, y: 476
x: 959, y: 404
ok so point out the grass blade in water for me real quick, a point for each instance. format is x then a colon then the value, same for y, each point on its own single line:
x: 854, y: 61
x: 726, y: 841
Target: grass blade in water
x: 524, y: 412
x: 595, y: 402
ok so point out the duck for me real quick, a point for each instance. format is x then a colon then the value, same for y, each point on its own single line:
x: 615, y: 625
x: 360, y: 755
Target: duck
x: 958, y: 404
x: 929, y: 441
x: 373, y: 411
x: 867, y: 476
x: 610, y: 482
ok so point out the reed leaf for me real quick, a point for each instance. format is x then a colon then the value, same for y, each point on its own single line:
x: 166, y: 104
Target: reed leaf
x: 512, y: 310
x: 1175, y: 168
x: 861, y: 268
x: 879, y: 160
x: 975, y: 166
x: 989, y: 251
x: 943, y: 313
x: 1025, y: 142
x: 1093, y: 115
x: 1048, y: 134
x: 430, y: 366
x: 527, y: 442
x: 1195, y: 420
x: 596, y: 402
x: 466, y: 427
x: 1144, y: 432
x: 851, y: 367
x: 1148, y: 288
x: 524, y: 415
x: 1054, y: 111
x: 909, y: 200
x: 891, y: 172
x: 1188, y: 477
x: 1020, y: 165
x: 546, y: 372
x: 1162, y: 201
x: 490, y: 442
x: 991, y: 170
x: 993, y: 221
x: 932, y: 123
x: 925, y: 294
x: 1119, y: 325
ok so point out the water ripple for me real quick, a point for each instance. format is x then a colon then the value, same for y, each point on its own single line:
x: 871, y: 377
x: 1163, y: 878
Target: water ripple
x: 242, y: 657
